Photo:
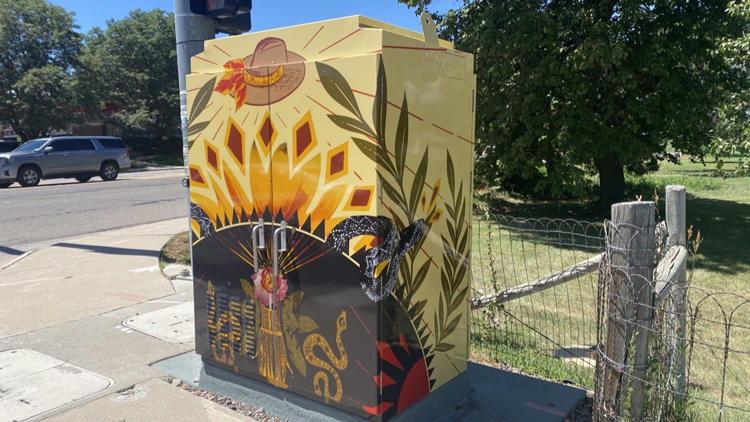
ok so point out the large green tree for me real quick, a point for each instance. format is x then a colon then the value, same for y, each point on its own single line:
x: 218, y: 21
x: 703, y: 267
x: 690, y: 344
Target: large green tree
x: 568, y: 87
x: 131, y: 67
x: 38, y: 50
x: 733, y: 117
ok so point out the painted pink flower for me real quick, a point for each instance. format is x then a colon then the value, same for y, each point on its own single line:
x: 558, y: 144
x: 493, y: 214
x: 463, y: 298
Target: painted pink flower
x: 265, y: 290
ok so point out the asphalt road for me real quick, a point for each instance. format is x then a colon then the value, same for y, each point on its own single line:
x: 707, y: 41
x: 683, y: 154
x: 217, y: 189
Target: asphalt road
x: 63, y: 209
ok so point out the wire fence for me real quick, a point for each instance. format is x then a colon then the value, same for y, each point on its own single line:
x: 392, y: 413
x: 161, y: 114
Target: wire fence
x: 568, y: 301
x: 669, y: 350
x: 534, y: 293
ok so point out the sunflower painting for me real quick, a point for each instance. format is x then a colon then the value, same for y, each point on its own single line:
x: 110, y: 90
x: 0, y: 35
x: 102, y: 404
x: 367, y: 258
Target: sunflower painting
x: 330, y: 170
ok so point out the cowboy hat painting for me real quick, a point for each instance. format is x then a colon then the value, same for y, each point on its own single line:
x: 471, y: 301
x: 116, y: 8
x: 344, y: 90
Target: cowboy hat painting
x: 265, y: 77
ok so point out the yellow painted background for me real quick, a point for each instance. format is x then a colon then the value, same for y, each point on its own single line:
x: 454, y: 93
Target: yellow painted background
x: 439, y: 84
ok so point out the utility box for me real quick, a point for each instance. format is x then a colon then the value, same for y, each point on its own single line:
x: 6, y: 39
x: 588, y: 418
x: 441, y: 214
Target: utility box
x: 330, y: 186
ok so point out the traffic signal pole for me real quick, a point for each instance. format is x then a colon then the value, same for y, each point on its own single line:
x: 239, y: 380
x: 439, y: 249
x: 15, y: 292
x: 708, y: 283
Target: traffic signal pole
x: 190, y: 32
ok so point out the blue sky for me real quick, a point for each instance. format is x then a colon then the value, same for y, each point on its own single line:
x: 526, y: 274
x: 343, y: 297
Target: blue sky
x: 266, y: 14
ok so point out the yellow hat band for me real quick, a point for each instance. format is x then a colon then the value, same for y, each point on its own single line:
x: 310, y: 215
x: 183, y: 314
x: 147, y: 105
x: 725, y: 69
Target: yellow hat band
x: 262, y: 81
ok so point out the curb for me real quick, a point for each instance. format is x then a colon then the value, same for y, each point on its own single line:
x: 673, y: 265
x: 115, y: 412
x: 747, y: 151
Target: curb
x: 17, y: 259
x: 153, y: 168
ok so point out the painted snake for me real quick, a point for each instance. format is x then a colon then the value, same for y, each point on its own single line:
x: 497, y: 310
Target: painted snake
x: 394, y: 246
x: 340, y: 363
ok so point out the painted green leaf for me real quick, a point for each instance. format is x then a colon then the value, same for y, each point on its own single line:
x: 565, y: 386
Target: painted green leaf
x: 408, y: 299
x: 297, y: 358
x: 201, y: 100
x: 451, y: 231
x: 295, y: 353
x: 441, y: 310
x: 461, y: 296
x: 445, y: 284
x: 400, y: 224
x: 450, y: 211
x: 460, y: 211
x: 338, y: 88
x: 291, y: 322
x: 380, y: 106
x: 296, y: 298
x: 448, y: 248
x: 462, y: 244
x: 461, y: 271
x: 421, y: 274
x: 368, y: 148
x: 451, y: 175
x: 444, y: 347
x: 419, y: 177
x: 373, y: 152
x: 395, y: 195
x: 247, y: 287
x: 436, y: 326
x: 451, y: 326
x: 307, y: 324
x: 197, y: 128
x: 457, y: 300
x: 289, y: 318
x: 402, y: 136
x: 405, y: 270
x: 352, y: 125
x: 403, y: 274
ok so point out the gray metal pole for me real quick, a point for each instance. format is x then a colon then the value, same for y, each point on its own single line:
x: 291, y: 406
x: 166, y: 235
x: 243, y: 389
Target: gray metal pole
x: 190, y: 32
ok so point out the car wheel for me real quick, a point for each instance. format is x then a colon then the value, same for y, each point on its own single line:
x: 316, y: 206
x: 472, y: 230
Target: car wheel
x: 109, y: 171
x: 29, y: 176
x: 83, y: 179
x: 5, y: 185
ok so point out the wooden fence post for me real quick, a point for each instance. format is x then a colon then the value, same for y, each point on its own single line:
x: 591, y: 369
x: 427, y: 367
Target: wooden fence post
x: 677, y: 236
x: 630, y: 250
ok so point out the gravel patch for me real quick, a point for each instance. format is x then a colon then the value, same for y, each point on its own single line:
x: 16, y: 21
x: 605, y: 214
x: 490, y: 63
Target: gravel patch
x: 256, y: 413
x: 584, y: 412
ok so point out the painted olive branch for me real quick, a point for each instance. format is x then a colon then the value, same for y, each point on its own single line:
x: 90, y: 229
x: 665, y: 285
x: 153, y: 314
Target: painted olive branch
x: 455, y: 264
x: 391, y: 172
x: 199, y: 104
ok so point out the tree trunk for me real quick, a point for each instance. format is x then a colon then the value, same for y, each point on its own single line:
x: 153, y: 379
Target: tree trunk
x: 20, y: 132
x: 611, y: 179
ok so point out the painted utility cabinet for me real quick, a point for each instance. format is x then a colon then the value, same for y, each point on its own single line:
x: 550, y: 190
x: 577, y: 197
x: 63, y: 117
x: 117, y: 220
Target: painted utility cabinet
x: 330, y: 189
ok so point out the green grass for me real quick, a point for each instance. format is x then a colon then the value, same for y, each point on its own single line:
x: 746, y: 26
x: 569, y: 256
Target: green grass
x: 160, y: 160
x: 718, y: 207
x: 175, y: 251
x: 530, y: 360
x: 529, y: 332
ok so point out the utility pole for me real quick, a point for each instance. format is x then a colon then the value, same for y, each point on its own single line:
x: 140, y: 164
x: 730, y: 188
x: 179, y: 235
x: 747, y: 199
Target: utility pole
x: 190, y: 32
x: 196, y: 21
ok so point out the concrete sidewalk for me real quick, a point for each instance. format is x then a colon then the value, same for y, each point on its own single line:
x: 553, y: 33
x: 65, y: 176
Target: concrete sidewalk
x: 91, y: 330
x: 82, y: 322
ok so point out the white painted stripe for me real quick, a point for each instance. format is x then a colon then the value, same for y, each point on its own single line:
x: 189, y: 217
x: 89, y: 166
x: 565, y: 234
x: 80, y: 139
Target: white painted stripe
x: 151, y: 269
